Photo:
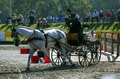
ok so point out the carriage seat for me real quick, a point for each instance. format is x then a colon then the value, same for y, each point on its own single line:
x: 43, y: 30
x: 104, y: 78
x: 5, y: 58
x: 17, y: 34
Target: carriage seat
x: 75, y: 39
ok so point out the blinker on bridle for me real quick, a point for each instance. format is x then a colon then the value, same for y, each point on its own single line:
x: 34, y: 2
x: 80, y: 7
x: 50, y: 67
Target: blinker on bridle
x: 15, y: 34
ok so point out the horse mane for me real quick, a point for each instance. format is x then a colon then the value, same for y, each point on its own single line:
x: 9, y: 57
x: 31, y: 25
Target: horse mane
x: 24, y: 27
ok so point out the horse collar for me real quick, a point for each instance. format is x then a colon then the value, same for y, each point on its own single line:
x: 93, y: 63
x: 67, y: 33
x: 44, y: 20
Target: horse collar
x: 19, y: 34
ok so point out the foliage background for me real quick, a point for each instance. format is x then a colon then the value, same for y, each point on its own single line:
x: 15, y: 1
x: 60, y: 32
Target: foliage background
x: 55, y: 7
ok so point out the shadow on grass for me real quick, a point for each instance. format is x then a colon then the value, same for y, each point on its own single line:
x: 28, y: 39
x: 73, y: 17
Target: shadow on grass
x: 108, y: 25
x: 100, y: 26
x: 116, y: 26
x: 4, y: 26
x: 105, y: 26
x: 96, y: 26
x: 11, y: 26
x: 29, y: 25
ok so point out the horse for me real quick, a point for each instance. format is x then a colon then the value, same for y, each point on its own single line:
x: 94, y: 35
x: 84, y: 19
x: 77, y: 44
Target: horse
x: 40, y: 40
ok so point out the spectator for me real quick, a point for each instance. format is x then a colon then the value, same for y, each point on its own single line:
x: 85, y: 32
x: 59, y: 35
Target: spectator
x: 49, y: 18
x: 20, y: 19
x: 87, y: 17
x: 101, y: 16
x: 56, y: 19
x: 8, y: 19
x: 14, y: 19
x: 25, y: 19
x: 95, y: 15
x: 39, y: 23
x: 32, y: 17
x: 42, y: 22
x: 52, y: 18
x: 118, y: 15
x: 60, y: 18
x: 108, y: 16
x: 113, y: 16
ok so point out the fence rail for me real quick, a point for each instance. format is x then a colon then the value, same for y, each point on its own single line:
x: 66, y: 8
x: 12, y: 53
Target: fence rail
x: 111, y: 37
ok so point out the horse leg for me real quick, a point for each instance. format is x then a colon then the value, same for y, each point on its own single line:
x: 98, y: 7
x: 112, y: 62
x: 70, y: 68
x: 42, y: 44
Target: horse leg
x: 65, y: 54
x: 71, y: 62
x: 64, y: 50
x: 32, y: 51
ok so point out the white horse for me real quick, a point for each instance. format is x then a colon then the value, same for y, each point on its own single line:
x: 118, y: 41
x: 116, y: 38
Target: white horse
x: 40, y: 42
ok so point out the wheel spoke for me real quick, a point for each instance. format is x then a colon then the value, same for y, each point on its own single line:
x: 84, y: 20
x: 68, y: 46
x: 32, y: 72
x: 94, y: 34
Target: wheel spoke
x: 86, y: 58
x: 59, y: 61
x: 56, y: 56
x: 96, y: 54
x: 56, y: 60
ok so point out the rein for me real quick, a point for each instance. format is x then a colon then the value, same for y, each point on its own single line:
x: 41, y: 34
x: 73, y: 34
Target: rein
x: 65, y: 45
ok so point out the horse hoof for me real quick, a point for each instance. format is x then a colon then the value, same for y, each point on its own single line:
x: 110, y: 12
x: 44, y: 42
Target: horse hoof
x: 63, y: 64
x: 54, y: 65
x: 27, y: 69
x: 73, y: 65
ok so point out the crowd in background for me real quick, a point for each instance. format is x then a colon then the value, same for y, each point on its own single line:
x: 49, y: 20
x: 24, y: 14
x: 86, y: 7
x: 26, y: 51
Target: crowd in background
x: 95, y: 16
x: 21, y: 19
x: 31, y: 19
x: 101, y: 17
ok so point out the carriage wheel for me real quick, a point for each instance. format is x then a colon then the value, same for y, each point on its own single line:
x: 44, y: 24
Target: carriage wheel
x: 56, y: 56
x: 85, y: 56
x: 96, y: 50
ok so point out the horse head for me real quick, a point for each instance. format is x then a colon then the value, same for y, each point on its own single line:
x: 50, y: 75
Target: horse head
x: 15, y: 36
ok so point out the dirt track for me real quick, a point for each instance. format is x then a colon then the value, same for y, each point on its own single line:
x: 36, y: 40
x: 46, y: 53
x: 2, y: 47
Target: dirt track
x: 13, y: 64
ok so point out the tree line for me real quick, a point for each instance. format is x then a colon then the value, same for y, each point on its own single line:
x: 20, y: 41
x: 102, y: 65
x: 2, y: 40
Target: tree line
x: 45, y: 7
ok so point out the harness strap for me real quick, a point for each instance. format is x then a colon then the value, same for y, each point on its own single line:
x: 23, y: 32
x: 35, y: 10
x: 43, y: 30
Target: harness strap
x: 33, y: 33
x: 46, y: 41
x: 31, y: 39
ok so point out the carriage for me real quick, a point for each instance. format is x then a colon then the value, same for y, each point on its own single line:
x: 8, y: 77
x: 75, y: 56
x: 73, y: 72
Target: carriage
x: 77, y: 45
x: 87, y: 51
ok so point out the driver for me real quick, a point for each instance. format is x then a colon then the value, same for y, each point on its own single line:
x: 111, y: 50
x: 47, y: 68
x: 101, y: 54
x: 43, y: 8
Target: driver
x: 72, y: 21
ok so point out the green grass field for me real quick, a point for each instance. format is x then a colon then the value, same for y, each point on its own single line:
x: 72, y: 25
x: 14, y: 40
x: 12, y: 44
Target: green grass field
x: 97, y: 27
x: 105, y: 27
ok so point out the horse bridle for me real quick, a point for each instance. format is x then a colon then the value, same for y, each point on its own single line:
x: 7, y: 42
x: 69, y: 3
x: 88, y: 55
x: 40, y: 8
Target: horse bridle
x: 15, y: 34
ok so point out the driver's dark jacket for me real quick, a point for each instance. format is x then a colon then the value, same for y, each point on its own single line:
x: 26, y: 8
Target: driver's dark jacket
x: 73, y: 23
